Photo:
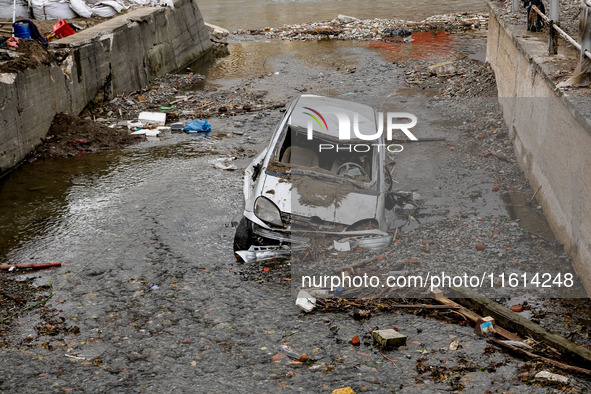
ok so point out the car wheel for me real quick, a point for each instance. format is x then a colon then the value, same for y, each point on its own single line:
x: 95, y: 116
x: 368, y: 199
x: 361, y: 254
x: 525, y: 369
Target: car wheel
x: 243, y: 238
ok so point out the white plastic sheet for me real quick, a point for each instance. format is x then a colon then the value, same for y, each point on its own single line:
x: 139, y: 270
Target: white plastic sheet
x: 22, y: 9
x: 52, y: 9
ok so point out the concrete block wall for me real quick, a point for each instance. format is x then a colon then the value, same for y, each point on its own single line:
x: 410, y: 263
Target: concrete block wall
x: 551, y: 135
x: 118, y: 56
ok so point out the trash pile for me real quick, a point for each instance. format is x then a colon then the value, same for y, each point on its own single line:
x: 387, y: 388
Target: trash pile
x: 349, y: 28
x: 183, y: 98
x: 70, y: 9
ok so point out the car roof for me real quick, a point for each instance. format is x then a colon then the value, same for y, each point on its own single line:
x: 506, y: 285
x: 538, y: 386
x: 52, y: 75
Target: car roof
x: 321, y: 113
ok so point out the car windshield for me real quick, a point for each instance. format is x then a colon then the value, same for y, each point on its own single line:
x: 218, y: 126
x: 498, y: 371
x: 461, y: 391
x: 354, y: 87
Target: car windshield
x: 322, y: 157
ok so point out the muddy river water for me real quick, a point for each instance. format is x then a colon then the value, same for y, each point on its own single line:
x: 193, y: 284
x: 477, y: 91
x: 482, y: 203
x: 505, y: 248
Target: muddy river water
x: 150, y: 292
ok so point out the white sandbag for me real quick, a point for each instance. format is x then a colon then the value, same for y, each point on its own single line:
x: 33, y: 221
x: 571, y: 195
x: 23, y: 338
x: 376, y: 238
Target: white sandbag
x: 52, y: 9
x: 115, y: 5
x: 22, y: 9
x: 80, y: 7
x: 106, y: 9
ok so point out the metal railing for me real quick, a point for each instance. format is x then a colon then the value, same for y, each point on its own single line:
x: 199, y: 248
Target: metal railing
x: 584, y: 49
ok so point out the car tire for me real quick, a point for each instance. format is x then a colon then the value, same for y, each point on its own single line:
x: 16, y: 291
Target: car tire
x: 243, y: 238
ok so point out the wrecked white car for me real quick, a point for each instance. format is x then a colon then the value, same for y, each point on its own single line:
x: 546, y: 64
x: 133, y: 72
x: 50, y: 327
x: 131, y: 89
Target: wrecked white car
x: 324, y: 171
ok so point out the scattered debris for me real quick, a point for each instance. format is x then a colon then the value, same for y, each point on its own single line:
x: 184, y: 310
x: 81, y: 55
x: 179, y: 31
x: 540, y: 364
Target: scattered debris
x: 223, y: 163
x: 549, y: 377
x: 264, y: 253
x: 350, y: 28
x: 157, y: 118
x: 485, y: 326
x: 389, y: 338
x: 305, y: 301
x: 197, y: 126
x: 455, y: 345
x: 522, y: 325
x: 342, y: 245
x: 519, y: 344
x: 344, y: 390
x: 531, y: 356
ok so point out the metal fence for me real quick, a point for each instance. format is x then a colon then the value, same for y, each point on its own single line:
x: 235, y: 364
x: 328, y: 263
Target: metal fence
x: 553, y: 20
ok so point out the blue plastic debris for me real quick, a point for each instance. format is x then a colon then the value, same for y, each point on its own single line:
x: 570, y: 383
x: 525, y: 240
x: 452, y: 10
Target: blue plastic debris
x: 197, y: 126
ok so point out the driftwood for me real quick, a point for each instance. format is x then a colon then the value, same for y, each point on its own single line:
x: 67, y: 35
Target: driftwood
x: 526, y: 354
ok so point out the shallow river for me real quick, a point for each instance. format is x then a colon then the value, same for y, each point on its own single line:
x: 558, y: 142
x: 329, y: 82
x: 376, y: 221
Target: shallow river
x: 145, y: 235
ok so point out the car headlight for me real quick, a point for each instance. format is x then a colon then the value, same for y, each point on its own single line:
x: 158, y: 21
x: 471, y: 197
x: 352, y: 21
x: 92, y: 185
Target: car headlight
x: 268, y: 212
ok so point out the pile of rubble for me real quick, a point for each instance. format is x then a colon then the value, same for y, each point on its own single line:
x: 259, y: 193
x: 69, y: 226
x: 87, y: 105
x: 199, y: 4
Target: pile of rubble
x: 349, y: 28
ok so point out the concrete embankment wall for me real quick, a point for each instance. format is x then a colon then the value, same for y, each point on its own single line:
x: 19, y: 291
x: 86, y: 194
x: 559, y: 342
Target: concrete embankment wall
x: 117, y: 56
x: 551, y: 133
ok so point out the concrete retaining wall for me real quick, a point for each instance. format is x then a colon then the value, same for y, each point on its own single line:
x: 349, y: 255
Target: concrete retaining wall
x: 550, y: 132
x: 120, y: 55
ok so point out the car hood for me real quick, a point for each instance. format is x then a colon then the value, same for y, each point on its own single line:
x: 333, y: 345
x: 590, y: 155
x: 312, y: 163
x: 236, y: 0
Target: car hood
x: 331, y: 201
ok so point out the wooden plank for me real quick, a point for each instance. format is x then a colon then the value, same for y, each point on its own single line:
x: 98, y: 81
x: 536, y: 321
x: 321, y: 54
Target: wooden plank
x: 523, y: 326
x: 473, y: 317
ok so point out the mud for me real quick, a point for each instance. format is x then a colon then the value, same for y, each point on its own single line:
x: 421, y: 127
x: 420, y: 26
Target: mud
x: 318, y: 193
x: 31, y: 54
x: 71, y: 135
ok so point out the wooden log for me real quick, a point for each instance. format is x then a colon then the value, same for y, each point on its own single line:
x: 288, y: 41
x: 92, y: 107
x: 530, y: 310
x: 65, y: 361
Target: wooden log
x: 523, y: 326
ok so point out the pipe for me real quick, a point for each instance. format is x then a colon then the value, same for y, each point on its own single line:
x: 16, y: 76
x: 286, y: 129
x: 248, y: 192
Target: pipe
x: 13, y: 16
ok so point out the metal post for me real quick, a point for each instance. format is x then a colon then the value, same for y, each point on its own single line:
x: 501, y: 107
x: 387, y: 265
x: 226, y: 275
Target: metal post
x: 552, y: 39
x: 554, y: 15
x: 585, y: 27
x: 515, y: 5
x: 554, y: 19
